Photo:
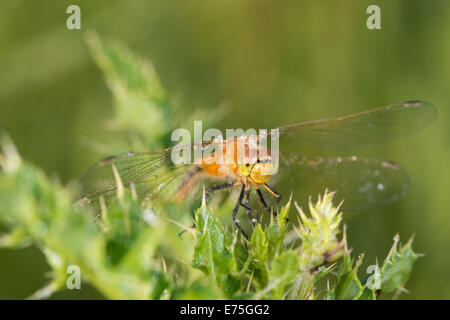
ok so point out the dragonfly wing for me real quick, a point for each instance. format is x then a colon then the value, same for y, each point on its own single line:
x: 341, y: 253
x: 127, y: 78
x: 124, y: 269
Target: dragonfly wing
x: 153, y: 175
x: 361, y: 183
x: 148, y: 172
x: 342, y: 136
x: 131, y: 168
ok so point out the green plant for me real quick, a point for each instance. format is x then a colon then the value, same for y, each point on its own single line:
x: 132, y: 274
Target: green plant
x: 129, y: 252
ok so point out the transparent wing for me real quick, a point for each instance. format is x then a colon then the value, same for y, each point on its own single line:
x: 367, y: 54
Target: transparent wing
x: 131, y: 168
x: 361, y: 183
x: 343, y: 136
x: 152, y: 174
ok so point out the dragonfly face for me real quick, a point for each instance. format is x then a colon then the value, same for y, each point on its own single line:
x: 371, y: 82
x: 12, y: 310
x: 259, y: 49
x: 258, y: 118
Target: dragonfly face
x: 258, y: 172
x: 313, y: 156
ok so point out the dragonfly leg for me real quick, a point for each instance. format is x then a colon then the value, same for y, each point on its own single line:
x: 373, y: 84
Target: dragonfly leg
x: 273, y: 192
x: 210, y: 190
x: 235, y: 211
x: 250, y: 211
x: 262, y: 200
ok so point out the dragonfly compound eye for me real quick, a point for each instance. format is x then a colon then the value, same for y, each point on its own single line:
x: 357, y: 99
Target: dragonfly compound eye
x: 262, y: 171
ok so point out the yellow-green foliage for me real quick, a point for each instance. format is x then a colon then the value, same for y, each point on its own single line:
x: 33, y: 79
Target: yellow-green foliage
x: 129, y: 252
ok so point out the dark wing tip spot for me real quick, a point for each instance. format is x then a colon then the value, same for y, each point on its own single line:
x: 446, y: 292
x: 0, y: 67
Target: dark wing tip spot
x: 412, y: 103
x: 107, y: 159
x: 390, y: 165
x: 428, y: 111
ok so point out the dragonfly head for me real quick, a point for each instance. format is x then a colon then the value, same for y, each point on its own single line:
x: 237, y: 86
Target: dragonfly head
x: 259, y: 171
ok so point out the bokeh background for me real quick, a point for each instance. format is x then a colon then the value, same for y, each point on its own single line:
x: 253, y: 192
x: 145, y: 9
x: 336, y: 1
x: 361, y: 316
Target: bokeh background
x: 267, y: 63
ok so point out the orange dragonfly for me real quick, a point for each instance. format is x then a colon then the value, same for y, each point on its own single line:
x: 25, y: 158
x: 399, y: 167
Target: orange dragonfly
x: 313, y: 156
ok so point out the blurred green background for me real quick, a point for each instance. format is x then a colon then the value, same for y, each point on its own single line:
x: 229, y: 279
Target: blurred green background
x: 269, y: 63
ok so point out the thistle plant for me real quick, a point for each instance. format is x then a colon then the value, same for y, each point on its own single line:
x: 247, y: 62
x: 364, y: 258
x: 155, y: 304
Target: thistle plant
x: 128, y: 251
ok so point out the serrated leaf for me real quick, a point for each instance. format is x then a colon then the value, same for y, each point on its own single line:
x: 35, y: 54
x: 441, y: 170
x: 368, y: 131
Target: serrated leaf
x: 282, y: 271
x: 397, y: 267
x: 140, y: 102
x: 348, y: 286
x: 320, y: 244
x: 368, y: 294
x: 276, y: 231
x: 159, y: 283
x: 258, y: 257
x: 213, y: 252
x: 259, y: 244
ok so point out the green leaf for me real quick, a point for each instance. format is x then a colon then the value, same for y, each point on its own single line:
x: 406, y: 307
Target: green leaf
x: 17, y: 238
x: 258, y: 257
x: 276, y: 231
x: 196, y: 291
x: 141, y: 104
x: 213, y: 252
x: 348, y: 286
x: 282, y: 271
x: 368, y: 294
x: 259, y: 244
x: 159, y: 282
x: 397, y: 267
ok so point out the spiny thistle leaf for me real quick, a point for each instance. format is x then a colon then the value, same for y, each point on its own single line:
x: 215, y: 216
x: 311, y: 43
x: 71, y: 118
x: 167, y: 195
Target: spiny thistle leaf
x: 213, y: 252
x: 348, y: 286
x: 397, y: 267
x: 258, y: 257
x: 282, y: 271
x: 141, y: 104
x: 69, y: 235
x: 276, y: 231
x: 319, y: 233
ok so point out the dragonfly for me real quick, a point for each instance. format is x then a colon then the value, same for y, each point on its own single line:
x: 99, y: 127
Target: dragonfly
x: 313, y: 156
